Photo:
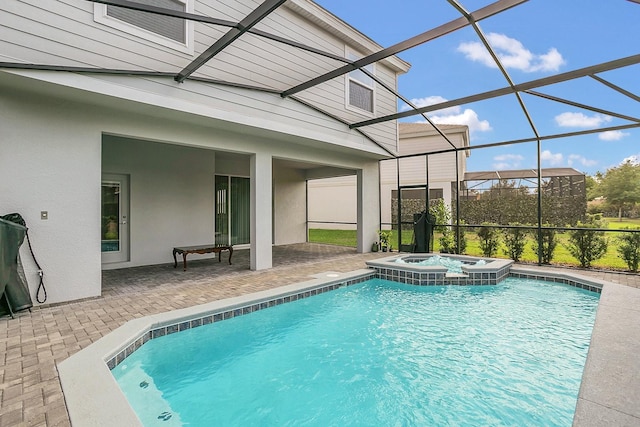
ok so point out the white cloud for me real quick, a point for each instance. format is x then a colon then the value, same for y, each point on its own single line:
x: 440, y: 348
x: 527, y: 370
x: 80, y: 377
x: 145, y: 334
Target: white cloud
x: 423, y: 102
x: 467, y: 117
x: 612, y: 135
x: 550, y: 61
x: 577, y: 158
x: 507, y: 161
x: 580, y: 120
x: 452, y: 115
x: 512, y: 54
x: 635, y: 159
x: 554, y: 159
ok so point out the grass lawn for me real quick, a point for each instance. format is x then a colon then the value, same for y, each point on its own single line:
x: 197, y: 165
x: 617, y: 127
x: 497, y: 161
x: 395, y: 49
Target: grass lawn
x: 614, y: 224
x: 333, y: 237
x: 611, y: 260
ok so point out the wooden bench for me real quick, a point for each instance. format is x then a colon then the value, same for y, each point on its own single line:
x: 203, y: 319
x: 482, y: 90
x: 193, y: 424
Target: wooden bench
x: 201, y: 249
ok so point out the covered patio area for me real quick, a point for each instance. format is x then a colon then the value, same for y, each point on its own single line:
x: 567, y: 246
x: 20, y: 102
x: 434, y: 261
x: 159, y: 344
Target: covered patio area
x: 207, y: 279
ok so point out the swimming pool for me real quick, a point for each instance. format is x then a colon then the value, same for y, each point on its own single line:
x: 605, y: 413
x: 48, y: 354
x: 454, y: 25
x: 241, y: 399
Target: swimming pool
x: 376, y: 353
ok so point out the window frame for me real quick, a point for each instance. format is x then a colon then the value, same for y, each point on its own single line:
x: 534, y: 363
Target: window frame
x: 100, y: 16
x: 353, y: 55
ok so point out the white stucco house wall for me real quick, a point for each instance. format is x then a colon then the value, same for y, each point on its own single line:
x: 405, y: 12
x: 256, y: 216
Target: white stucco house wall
x: 91, y: 109
x: 332, y: 200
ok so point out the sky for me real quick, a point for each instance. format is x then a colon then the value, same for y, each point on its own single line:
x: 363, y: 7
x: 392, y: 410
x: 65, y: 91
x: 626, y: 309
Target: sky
x: 536, y: 39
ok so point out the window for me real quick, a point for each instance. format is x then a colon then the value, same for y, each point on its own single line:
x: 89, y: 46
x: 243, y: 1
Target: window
x: 172, y: 32
x: 360, y: 87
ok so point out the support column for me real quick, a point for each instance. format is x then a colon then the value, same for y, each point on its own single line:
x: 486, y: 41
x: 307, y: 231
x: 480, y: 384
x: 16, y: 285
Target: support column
x: 261, y: 211
x: 368, y: 206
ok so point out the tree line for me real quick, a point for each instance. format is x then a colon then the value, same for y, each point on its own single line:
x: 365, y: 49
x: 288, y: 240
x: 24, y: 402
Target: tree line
x: 615, y: 192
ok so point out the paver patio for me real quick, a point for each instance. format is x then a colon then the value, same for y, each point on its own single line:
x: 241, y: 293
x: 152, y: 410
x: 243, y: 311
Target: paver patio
x: 33, y: 342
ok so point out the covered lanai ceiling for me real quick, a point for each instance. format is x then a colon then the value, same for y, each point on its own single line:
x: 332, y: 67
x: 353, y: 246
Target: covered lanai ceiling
x: 229, y: 35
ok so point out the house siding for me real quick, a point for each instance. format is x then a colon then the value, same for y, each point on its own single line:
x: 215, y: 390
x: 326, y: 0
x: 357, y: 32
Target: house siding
x: 65, y: 33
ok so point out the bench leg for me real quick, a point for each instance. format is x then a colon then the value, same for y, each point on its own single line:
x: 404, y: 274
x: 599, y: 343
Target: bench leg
x: 175, y: 261
x: 184, y: 261
x: 230, y: 254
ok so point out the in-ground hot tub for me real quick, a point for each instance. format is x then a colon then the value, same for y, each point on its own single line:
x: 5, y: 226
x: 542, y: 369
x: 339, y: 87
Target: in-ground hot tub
x: 437, y: 270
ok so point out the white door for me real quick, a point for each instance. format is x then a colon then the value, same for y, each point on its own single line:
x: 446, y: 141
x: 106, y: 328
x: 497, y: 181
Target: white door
x: 115, y: 218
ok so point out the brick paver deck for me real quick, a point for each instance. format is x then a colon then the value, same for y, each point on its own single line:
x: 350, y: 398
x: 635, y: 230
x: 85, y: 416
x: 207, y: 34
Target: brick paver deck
x: 33, y: 342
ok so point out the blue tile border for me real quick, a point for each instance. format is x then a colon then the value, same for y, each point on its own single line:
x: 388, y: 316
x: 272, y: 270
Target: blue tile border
x: 494, y: 271
x: 397, y: 274
x: 227, y: 314
x: 441, y: 278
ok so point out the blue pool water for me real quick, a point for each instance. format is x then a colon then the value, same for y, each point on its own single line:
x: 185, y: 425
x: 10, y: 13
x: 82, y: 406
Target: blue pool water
x: 375, y: 354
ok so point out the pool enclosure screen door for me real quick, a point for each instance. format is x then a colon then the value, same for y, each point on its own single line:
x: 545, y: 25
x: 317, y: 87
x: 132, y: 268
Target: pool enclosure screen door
x: 412, y: 202
x: 114, y: 233
x: 232, y: 221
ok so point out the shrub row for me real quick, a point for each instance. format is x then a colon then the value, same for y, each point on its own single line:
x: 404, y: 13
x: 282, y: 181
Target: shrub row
x: 586, y: 243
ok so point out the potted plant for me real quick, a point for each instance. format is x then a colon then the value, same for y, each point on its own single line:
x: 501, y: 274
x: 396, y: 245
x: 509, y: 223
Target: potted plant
x: 384, y: 239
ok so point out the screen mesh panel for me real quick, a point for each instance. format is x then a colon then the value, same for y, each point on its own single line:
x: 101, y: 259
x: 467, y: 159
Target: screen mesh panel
x: 360, y: 96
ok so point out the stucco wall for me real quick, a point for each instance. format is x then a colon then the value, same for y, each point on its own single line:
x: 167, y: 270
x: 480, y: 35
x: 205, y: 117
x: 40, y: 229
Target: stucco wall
x: 289, y: 203
x: 46, y: 167
x: 171, y: 196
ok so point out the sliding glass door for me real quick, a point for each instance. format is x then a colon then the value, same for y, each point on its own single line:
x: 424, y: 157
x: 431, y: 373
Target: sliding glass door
x: 232, y: 221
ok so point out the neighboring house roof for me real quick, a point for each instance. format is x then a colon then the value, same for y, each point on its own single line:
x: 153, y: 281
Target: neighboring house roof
x: 458, y: 134
x: 407, y: 128
x: 520, y: 174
